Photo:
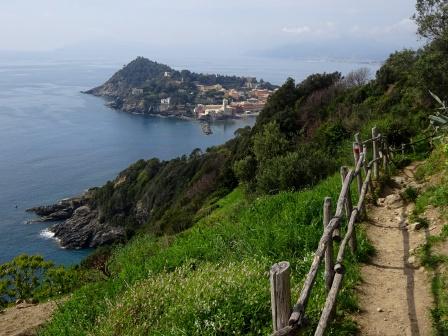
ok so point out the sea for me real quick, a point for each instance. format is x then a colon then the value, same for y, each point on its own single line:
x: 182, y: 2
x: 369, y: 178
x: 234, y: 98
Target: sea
x: 55, y: 142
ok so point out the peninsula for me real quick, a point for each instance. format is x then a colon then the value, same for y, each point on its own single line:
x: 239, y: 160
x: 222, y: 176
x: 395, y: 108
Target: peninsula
x: 151, y: 88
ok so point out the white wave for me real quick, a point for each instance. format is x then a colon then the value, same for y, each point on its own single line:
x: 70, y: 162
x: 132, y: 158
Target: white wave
x: 47, y: 234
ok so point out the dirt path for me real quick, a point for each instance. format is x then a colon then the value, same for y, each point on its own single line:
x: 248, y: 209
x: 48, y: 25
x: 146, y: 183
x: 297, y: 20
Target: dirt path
x: 24, y: 319
x: 395, y: 297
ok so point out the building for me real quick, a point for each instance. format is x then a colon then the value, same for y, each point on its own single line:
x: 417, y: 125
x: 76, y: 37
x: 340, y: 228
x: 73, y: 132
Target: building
x: 205, y: 88
x: 246, y: 107
x: 251, y: 82
x: 261, y: 94
x: 136, y: 91
x: 165, y: 101
x: 165, y: 104
x: 167, y: 74
x: 214, y: 111
x: 234, y: 94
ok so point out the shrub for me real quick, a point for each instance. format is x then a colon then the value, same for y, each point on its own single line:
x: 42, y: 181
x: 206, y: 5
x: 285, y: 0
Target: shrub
x: 32, y: 277
x: 22, y: 276
x: 410, y: 194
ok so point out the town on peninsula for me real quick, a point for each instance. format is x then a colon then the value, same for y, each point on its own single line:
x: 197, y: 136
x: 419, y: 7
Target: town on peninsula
x: 151, y: 88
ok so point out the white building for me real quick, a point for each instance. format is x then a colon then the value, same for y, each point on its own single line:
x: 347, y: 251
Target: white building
x: 136, y: 91
x: 214, y: 111
x: 165, y: 104
x: 165, y: 101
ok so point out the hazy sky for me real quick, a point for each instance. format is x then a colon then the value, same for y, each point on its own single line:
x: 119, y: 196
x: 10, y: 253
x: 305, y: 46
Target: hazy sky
x: 226, y: 26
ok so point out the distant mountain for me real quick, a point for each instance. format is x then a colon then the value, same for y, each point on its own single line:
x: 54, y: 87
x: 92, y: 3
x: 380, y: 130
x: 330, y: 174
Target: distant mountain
x: 336, y: 49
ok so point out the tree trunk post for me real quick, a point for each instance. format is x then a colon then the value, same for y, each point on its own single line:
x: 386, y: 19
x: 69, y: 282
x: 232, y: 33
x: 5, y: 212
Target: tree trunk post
x: 329, y: 261
x: 382, y: 152
x: 349, y: 208
x: 356, y: 154
x: 386, y: 155
x: 280, y: 294
x: 375, y: 153
x: 391, y: 152
x: 402, y: 149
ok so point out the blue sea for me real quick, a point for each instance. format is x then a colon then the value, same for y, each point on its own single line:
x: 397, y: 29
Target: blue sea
x: 55, y: 142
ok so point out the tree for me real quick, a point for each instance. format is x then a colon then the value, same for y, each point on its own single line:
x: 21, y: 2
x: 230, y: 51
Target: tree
x: 432, y: 18
x: 21, y: 277
x: 245, y: 169
x: 269, y: 143
x: 357, y: 77
x: 396, y: 68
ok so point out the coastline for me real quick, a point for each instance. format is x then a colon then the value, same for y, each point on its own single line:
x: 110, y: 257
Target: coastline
x: 171, y: 114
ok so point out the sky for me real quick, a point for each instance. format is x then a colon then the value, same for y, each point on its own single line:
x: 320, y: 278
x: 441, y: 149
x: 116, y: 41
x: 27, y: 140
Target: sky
x: 274, y: 28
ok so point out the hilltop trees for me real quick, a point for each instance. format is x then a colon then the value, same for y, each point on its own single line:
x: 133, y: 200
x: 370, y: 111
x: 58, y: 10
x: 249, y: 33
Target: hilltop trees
x: 432, y: 66
x: 432, y: 19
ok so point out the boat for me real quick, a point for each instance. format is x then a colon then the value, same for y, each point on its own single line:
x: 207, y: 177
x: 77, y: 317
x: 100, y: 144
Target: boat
x: 206, y: 128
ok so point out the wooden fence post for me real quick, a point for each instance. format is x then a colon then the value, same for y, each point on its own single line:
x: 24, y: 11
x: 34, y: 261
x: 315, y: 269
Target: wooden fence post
x: 329, y: 263
x: 356, y: 154
x: 349, y: 208
x: 391, y: 152
x: 382, y: 152
x: 375, y: 153
x: 280, y: 294
x: 386, y: 155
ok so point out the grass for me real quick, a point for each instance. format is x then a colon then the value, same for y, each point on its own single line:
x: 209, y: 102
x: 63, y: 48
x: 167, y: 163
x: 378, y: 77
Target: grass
x: 436, y: 196
x: 213, y: 278
x: 410, y: 194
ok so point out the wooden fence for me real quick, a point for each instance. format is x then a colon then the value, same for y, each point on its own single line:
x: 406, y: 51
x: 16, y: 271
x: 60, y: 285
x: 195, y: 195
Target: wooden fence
x: 289, y: 321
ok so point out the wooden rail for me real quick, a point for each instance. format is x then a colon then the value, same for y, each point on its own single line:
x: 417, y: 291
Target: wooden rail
x: 334, y: 268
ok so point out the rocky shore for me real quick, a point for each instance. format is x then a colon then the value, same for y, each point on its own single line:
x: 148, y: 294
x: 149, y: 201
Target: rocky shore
x: 79, y: 224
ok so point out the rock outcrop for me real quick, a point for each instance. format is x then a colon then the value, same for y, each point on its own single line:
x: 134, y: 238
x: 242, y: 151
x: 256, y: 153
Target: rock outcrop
x: 80, y: 226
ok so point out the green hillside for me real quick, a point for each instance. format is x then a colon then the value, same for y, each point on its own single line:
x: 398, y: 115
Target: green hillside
x: 211, y: 279
x: 204, y: 229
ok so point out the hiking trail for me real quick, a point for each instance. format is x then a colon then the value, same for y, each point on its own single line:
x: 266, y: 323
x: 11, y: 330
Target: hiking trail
x: 395, y: 295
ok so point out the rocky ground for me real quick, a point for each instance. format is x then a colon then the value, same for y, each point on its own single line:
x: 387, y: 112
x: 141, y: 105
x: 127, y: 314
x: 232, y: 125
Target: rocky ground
x: 79, y: 225
x: 24, y: 319
x: 395, y: 296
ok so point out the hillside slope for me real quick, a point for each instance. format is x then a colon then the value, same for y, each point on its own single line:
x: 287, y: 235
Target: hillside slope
x: 299, y: 138
x: 211, y: 279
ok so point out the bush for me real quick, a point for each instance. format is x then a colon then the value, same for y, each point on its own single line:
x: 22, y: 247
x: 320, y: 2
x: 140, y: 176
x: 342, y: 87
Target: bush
x: 23, y: 276
x: 410, y: 194
x: 32, y: 277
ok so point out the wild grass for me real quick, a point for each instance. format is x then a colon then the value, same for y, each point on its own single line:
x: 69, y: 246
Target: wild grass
x: 213, y: 278
x: 437, y: 263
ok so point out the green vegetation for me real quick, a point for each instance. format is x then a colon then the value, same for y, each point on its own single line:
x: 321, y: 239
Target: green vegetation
x: 432, y: 257
x: 204, y: 229
x: 410, y: 194
x: 158, y: 81
x: 31, y: 277
x: 212, y: 279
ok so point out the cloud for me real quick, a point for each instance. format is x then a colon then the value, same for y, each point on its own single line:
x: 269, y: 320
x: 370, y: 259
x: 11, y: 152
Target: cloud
x: 325, y: 29
x: 297, y: 30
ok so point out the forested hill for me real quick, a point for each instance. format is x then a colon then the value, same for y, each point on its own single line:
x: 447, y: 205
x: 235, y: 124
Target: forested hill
x: 300, y: 137
x: 142, y: 84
